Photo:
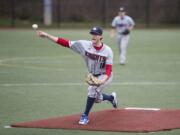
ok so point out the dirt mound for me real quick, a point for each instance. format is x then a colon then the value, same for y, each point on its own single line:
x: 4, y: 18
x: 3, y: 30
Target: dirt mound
x: 127, y: 120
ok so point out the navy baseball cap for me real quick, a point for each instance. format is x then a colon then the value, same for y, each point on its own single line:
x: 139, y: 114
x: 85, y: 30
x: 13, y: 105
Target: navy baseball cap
x: 122, y: 9
x: 96, y: 30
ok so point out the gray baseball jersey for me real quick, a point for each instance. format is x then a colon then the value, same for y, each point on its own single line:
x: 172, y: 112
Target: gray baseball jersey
x: 122, y: 23
x: 95, y: 60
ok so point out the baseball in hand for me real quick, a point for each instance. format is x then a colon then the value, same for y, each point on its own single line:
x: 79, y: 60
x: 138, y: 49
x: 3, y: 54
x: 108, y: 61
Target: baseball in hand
x: 35, y: 26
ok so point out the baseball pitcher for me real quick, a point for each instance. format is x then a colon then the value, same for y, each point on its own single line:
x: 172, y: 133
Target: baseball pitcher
x: 99, y: 59
x: 123, y: 25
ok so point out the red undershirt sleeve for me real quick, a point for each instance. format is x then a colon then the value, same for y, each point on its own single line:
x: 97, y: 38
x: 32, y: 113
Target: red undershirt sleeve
x: 63, y: 42
x: 108, y: 70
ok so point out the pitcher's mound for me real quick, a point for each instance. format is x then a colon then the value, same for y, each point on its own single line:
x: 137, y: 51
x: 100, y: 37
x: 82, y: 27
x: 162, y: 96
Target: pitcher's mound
x: 129, y: 120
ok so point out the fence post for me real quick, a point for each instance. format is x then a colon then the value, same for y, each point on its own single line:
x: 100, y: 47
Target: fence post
x: 47, y: 12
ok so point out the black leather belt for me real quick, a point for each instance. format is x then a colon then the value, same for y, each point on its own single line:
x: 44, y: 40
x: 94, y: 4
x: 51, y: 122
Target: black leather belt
x: 96, y: 75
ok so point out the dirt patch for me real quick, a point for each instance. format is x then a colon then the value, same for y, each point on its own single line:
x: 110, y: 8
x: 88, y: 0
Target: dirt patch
x: 126, y: 120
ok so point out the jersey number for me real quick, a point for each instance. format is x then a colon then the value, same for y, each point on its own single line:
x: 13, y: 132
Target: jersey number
x: 102, y: 65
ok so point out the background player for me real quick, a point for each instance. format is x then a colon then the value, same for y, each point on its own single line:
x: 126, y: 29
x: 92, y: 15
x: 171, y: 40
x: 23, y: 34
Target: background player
x: 123, y: 25
x: 99, y: 59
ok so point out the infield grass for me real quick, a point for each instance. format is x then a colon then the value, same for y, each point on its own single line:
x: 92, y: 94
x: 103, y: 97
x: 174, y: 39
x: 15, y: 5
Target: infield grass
x: 39, y: 79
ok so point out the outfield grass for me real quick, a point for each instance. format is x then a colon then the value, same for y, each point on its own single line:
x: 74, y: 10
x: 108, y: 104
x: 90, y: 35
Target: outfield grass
x: 34, y: 74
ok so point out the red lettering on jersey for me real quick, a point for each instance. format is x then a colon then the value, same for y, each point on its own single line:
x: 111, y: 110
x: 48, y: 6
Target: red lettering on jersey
x: 95, y: 57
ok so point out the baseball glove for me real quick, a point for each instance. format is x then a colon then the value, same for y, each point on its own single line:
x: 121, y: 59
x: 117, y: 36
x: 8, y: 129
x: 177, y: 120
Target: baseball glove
x: 92, y: 80
x: 125, y: 32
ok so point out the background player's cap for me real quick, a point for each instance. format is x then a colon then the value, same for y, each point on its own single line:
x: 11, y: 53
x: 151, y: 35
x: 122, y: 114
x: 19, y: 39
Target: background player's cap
x: 96, y: 30
x: 122, y: 9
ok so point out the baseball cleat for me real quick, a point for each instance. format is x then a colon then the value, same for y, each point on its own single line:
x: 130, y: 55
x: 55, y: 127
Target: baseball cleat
x: 83, y: 120
x: 114, y: 102
x: 122, y: 63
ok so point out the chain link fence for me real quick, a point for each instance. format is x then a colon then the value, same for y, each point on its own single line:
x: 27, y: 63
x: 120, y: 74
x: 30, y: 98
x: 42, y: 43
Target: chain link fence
x: 14, y: 13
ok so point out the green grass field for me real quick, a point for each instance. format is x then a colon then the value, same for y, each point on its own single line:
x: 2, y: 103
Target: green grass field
x: 39, y: 79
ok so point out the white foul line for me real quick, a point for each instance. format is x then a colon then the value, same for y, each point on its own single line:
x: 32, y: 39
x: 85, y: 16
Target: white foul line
x: 7, y: 127
x: 81, y: 84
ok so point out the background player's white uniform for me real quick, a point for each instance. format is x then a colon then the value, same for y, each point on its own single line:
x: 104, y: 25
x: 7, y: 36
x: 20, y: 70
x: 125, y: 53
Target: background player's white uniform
x: 121, y: 24
x: 95, y: 62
